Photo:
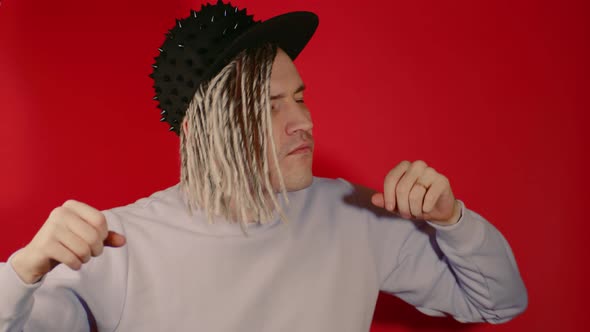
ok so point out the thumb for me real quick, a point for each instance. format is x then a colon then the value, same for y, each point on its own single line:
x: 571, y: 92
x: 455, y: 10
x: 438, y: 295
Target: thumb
x: 114, y: 240
x: 378, y: 200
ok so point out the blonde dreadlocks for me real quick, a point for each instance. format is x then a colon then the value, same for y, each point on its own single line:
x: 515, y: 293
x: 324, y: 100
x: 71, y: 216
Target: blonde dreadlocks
x: 224, y: 153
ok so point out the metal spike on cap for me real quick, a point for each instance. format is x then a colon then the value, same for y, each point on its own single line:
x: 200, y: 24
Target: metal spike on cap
x: 162, y: 119
x: 193, y: 34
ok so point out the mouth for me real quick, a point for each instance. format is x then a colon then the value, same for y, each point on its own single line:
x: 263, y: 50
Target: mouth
x: 301, y: 149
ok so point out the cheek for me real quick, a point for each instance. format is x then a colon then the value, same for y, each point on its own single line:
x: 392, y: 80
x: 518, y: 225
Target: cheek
x: 276, y: 137
x: 277, y: 130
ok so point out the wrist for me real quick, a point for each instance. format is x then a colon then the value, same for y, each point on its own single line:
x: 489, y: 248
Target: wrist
x: 454, y: 218
x: 20, y: 266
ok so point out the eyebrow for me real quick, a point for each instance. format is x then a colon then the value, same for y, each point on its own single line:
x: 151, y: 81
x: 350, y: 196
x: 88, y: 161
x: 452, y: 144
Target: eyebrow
x: 282, y: 95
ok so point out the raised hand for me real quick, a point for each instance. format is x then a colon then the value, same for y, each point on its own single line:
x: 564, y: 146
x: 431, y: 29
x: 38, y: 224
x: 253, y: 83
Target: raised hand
x: 415, y: 190
x: 73, y: 233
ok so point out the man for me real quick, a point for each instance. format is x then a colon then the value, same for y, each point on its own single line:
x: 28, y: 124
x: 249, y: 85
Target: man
x: 249, y: 240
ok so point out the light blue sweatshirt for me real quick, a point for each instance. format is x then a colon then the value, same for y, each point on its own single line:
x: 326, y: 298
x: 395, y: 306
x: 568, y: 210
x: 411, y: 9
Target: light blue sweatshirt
x: 320, y: 272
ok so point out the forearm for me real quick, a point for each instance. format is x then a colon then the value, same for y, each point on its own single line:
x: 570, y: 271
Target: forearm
x: 47, y: 305
x: 17, y: 299
x: 466, y: 269
x: 484, y: 268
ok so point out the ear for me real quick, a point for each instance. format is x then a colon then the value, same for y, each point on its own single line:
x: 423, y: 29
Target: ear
x: 185, y: 126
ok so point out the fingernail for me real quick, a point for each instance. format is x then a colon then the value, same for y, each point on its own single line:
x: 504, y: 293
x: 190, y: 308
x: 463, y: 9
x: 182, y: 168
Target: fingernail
x: 390, y: 207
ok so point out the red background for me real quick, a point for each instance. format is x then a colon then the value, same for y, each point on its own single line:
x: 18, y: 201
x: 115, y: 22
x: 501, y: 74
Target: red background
x: 493, y: 94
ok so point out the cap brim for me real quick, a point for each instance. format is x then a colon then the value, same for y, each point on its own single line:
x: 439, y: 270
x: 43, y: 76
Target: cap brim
x: 291, y: 31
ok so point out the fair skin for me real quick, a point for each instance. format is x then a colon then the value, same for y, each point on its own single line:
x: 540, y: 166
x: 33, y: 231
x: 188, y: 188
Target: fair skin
x: 291, y: 126
x: 75, y: 232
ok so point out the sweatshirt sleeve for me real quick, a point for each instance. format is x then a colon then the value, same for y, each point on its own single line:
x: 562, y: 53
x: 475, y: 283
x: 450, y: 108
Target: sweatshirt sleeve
x: 466, y: 270
x: 55, y: 310
x: 66, y: 300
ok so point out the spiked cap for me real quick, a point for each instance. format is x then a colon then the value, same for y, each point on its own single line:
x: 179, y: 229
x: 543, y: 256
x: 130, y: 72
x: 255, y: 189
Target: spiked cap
x: 200, y: 45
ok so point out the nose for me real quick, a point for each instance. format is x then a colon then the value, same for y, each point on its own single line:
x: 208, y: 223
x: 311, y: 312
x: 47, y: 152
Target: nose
x: 299, y: 120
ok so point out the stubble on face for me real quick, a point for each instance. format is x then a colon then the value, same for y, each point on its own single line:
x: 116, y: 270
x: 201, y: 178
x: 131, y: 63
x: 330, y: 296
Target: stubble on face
x: 291, y: 127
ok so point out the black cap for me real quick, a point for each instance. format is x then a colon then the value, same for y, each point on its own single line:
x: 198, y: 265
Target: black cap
x: 200, y: 45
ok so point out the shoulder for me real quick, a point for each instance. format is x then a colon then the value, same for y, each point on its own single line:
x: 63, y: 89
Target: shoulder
x: 322, y: 185
x: 343, y: 198
x: 343, y: 192
x: 353, y: 200
x: 163, y: 205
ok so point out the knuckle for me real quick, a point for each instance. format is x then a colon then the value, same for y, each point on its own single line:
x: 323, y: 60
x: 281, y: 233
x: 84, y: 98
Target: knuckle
x: 430, y: 170
x: 69, y: 203
x: 86, y: 252
x: 443, y: 179
x: 82, y: 252
x: 57, y: 213
x: 399, y: 168
x: 420, y: 163
x: 417, y: 167
x: 390, y: 175
x: 86, y: 258
x: 403, y: 165
x: 98, y: 251
x: 98, y: 220
x: 72, y: 262
x: 101, y: 220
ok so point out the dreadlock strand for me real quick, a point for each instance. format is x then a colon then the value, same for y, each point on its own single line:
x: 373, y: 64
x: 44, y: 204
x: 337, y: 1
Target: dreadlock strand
x: 225, y: 156
x: 219, y: 141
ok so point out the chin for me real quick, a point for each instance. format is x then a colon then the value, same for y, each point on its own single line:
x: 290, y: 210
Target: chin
x: 299, y: 182
x: 293, y: 180
x: 296, y: 173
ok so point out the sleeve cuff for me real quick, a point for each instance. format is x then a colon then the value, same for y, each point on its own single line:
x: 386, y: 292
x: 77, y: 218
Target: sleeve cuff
x: 17, y: 296
x: 463, y: 236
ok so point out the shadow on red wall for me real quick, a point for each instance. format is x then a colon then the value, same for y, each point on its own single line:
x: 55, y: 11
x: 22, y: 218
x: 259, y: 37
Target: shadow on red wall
x: 391, y: 312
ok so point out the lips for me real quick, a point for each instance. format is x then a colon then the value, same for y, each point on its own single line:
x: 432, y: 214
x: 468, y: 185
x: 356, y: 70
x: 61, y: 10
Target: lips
x: 305, y: 147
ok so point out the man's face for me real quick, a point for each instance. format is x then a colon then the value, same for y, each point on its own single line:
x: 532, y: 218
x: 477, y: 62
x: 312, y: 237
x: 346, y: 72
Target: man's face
x: 291, y: 126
